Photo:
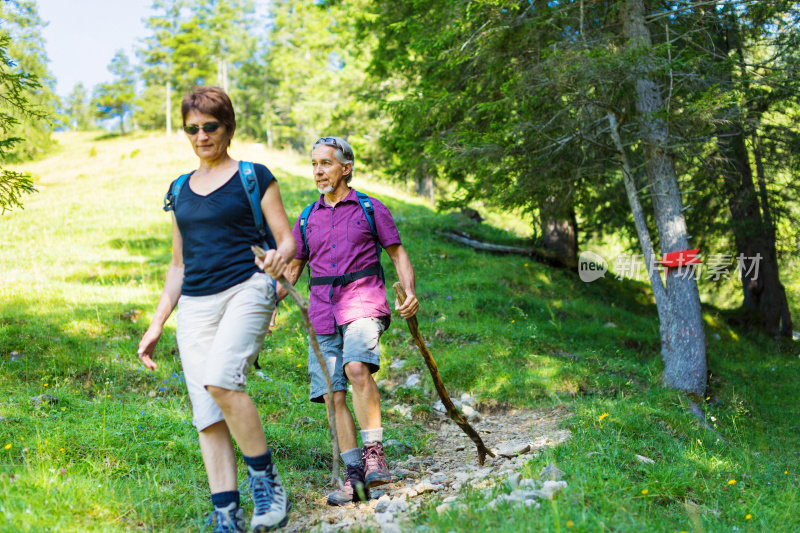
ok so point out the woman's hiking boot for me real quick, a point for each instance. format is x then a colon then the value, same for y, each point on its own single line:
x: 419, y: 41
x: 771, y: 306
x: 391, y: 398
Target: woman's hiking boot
x: 228, y: 519
x: 271, y: 506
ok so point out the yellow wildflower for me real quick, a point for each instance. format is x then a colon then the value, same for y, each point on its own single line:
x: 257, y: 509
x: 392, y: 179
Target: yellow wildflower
x: 604, y: 415
x: 731, y: 482
x: 8, y: 446
x: 645, y: 491
x: 748, y: 517
x: 569, y: 523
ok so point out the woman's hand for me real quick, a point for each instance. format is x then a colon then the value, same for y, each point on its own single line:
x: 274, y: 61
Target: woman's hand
x: 147, y: 346
x: 270, y: 262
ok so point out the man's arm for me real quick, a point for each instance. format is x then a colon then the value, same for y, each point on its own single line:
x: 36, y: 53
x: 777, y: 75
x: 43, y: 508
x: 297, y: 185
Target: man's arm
x: 405, y: 273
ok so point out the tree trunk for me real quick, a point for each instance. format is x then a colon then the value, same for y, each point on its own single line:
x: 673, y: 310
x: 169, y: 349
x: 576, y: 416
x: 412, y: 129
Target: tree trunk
x: 763, y: 295
x: 168, y: 108
x: 559, y: 229
x: 639, y: 220
x: 786, y: 328
x: 683, y: 348
x: 423, y: 182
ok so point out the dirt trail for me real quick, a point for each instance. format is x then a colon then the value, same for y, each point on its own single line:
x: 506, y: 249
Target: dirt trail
x: 516, y: 435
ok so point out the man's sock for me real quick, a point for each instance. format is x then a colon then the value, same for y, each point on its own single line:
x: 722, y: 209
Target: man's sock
x: 259, y: 463
x: 352, y: 457
x: 371, y: 436
x: 224, y: 499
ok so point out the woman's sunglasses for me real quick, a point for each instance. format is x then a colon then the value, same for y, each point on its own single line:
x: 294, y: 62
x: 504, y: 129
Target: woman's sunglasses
x: 208, y: 127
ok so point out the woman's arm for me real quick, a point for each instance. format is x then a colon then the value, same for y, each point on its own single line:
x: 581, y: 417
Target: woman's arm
x: 167, y: 302
x: 274, y: 263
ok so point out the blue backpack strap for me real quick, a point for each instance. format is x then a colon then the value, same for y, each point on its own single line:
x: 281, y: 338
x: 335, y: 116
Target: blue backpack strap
x: 172, y: 196
x: 369, y: 212
x: 247, y: 173
x: 304, y: 222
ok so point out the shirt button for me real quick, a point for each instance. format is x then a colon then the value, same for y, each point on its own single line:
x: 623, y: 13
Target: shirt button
x: 334, y: 246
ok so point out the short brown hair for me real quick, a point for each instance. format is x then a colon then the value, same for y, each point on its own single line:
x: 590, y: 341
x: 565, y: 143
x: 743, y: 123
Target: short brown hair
x: 211, y: 101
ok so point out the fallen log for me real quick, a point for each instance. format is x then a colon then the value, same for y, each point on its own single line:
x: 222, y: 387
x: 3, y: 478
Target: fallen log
x: 541, y: 256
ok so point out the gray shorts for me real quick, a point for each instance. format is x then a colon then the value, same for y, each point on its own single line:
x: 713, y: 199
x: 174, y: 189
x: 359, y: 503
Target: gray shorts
x: 219, y: 337
x: 355, y: 341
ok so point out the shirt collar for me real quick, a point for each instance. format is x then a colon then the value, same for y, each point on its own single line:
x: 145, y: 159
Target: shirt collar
x: 351, y: 197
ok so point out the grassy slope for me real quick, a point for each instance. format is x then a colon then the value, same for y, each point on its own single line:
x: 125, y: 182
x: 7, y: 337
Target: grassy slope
x: 82, y: 267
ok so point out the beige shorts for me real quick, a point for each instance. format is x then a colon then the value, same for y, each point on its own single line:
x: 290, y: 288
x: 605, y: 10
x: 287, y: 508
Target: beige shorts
x: 219, y: 337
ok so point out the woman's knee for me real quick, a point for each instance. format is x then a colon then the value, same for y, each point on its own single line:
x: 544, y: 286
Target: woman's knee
x: 218, y: 393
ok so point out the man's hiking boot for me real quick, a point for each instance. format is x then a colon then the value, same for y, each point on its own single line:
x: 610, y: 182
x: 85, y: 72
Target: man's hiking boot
x: 271, y: 506
x: 228, y: 519
x: 354, y: 489
x: 377, y: 473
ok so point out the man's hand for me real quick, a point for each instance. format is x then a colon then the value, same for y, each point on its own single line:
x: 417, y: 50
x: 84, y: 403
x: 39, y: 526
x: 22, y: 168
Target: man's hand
x: 409, y: 308
x: 272, y: 321
x: 147, y: 346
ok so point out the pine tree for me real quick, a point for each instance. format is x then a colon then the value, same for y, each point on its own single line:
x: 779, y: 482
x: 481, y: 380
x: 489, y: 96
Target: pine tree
x: 78, y: 109
x: 115, y: 99
x: 15, y: 88
x: 26, y: 52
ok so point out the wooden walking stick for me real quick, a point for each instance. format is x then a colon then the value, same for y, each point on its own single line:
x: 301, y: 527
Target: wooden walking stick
x: 312, y: 338
x: 452, y: 412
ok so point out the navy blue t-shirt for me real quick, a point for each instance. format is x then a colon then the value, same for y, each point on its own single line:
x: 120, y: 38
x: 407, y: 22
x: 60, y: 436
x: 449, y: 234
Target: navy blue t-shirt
x: 217, y: 231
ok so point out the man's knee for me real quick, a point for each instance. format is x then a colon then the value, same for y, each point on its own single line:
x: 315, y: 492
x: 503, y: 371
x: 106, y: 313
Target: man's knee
x: 357, y: 372
x: 340, y: 399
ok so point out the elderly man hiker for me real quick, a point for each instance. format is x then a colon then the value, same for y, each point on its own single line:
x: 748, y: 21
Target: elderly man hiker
x: 348, y: 307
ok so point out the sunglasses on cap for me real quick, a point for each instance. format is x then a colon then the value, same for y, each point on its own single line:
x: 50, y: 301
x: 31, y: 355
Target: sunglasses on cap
x: 208, y: 127
x: 331, y: 141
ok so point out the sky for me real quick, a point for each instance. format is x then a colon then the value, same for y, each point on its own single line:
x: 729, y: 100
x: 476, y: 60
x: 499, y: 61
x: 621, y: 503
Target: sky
x: 82, y: 36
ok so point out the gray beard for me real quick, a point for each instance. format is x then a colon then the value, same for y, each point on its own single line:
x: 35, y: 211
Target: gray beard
x: 326, y: 190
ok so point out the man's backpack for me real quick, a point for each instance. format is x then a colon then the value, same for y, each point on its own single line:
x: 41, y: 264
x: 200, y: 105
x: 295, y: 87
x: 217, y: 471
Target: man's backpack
x: 369, y: 212
x: 247, y: 174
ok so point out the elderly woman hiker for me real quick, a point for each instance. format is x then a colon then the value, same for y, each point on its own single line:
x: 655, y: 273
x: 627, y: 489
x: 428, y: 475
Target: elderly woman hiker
x: 224, y: 303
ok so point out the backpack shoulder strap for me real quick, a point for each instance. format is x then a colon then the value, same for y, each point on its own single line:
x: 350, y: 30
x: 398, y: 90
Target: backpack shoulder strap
x: 247, y: 174
x: 369, y: 212
x: 304, y: 221
x: 172, y: 196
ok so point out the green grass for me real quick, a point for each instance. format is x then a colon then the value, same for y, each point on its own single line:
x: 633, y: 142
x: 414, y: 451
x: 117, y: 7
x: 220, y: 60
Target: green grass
x: 82, y: 266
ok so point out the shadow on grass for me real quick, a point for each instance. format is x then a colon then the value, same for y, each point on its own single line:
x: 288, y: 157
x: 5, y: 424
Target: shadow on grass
x: 109, y: 136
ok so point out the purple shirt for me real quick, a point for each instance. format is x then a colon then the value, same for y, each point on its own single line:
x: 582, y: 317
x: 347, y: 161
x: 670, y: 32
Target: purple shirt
x: 339, y: 242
